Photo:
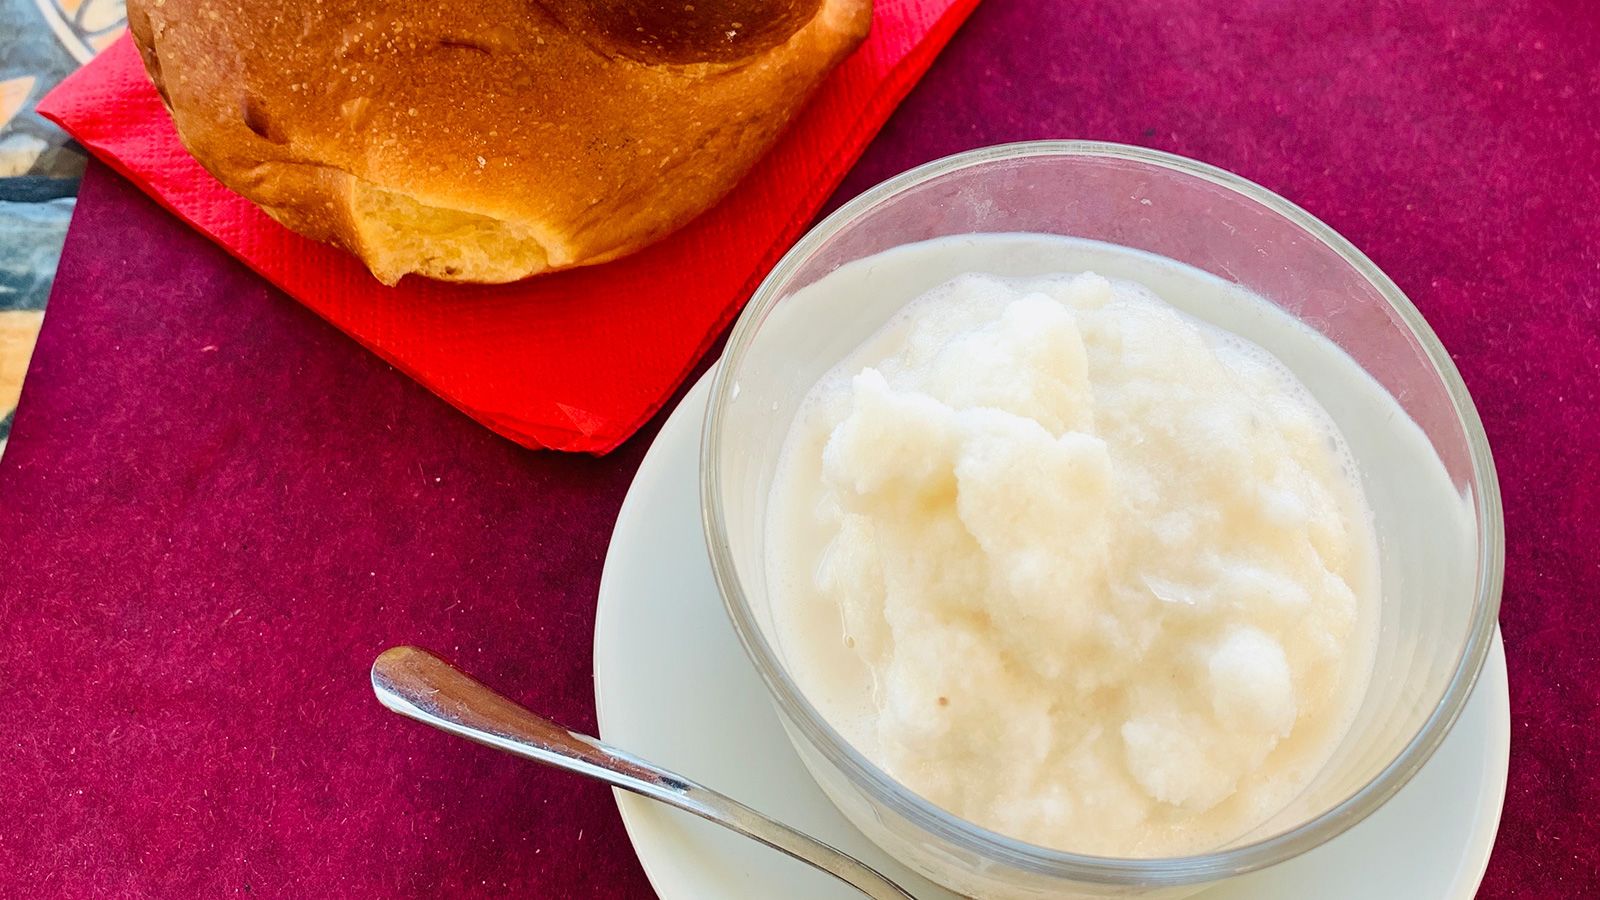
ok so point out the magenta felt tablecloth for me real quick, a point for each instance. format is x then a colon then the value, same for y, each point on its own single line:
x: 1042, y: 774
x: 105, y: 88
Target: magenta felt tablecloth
x: 215, y: 510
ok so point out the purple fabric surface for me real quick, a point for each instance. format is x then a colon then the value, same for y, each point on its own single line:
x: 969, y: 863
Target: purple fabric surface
x: 216, y: 510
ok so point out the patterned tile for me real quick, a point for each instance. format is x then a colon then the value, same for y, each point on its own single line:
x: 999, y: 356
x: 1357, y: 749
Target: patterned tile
x: 18, y: 330
x: 41, y: 41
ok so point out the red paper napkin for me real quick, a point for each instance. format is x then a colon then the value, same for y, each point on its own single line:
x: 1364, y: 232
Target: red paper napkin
x: 573, y: 361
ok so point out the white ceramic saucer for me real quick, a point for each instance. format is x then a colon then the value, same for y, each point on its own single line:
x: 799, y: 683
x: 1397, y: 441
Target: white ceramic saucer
x: 673, y: 685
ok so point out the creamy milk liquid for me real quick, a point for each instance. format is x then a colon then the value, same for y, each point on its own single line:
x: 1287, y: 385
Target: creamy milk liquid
x: 1163, y: 721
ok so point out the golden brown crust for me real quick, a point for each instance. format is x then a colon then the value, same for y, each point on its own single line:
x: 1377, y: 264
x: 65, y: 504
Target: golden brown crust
x: 489, y: 142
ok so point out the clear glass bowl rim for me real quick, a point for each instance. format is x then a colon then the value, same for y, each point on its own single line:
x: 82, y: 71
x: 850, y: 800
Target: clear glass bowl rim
x: 1155, y: 871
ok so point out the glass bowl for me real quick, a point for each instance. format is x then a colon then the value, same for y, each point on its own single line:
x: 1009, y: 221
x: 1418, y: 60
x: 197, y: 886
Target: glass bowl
x: 1430, y: 481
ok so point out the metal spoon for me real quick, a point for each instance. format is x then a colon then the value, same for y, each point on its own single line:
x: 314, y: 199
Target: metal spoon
x: 421, y: 686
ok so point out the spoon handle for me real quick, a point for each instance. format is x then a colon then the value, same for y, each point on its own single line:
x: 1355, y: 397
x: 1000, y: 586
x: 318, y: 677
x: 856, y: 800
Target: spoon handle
x: 421, y: 686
